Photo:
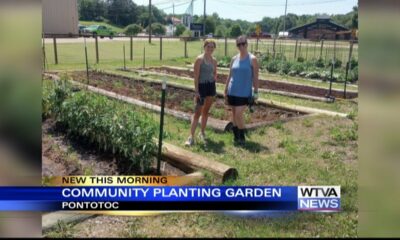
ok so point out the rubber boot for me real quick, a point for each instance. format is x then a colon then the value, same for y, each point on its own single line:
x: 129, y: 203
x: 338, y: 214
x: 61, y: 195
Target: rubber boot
x: 235, y: 134
x: 242, y: 138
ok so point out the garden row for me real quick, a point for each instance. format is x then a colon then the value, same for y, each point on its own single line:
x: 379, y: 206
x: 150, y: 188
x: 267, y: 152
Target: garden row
x: 96, y: 120
x: 177, y: 98
x: 265, y: 84
x: 314, y: 69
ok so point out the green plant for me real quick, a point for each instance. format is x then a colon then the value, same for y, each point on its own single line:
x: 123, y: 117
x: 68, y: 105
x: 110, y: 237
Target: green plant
x: 319, y: 63
x: 297, y: 68
x: 133, y: 29
x: 273, y: 66
x: 285, y: 67
x: 354, y: 63
x: 110, y: 126
x: 224, y: 61
x: 300, y: 59
x: 54, y: 94
x: 353, y: 75
x: 313, y: 74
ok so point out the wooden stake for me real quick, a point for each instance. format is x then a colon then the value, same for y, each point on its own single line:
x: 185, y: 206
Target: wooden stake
x: 97, y: 49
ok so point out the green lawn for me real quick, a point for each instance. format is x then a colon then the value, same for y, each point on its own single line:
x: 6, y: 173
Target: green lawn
x: 72, y: 56
x: 319, y: 150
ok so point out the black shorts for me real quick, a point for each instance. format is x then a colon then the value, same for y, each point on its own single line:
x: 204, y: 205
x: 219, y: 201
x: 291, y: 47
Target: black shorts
x: 207, y: 89
x: 237, y: 101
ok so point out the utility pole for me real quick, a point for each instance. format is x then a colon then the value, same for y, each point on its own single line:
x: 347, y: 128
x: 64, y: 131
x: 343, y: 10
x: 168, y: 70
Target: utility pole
x: 204, y: 20
x: 150, y: 21
x: 284, y: 20
x: 173, y: 16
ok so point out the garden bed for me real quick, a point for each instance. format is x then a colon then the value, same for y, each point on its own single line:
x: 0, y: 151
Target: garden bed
x: 179, y: 98
x: 63, y: 156
x: 265, y: 84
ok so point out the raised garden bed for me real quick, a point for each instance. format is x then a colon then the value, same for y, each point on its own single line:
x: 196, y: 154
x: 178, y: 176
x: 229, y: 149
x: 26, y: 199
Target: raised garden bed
x: 63, y: 156
x: 97, y: 110
x: 180, y: 99
x: 265, y: 84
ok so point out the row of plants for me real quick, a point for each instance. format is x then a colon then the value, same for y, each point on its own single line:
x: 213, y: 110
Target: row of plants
x: 109, y: 125
x: 314, y: 69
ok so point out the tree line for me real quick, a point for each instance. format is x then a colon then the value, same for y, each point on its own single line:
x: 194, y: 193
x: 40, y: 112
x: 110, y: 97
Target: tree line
x: 133, y: 17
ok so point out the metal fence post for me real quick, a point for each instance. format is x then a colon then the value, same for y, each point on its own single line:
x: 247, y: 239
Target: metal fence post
x: 131, y: 43
x: 55, y: 50
x: 161, y: 49
x: 160, y: 138
x: 226, y: 46
x: 348, y: 67
x: 322, y: 46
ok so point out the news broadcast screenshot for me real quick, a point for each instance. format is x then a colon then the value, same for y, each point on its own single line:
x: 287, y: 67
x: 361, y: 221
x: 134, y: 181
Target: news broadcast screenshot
x: 199, y: 119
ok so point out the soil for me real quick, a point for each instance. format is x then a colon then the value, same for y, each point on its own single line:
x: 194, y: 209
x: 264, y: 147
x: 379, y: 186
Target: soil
x: 63, y: 156
x: 179, y: 99
x: 266, y: 84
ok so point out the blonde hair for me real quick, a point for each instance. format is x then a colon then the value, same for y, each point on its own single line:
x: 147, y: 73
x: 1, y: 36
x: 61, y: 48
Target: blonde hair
x: 209, y: 40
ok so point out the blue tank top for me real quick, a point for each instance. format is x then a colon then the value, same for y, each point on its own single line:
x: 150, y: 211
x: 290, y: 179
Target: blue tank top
x: 241, y: 81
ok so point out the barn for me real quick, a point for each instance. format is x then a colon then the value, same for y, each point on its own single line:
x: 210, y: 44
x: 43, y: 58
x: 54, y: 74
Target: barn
x: 60, y: 17
x: 322, y: 28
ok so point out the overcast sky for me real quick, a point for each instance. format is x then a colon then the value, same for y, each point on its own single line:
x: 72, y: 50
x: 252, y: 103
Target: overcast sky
x: 255, y: 10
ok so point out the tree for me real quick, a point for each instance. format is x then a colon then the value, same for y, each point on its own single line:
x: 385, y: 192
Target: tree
x: 221, y: 31
x: 180, y: 28
x: 89, y: 10
x: 235, y: 31
x: 157, y: 16
x: 210, y: 25
x: 157, y: 29
x: 133, y: 29
x: 354, y: 19
x: 251, y: 30
x: 122, y: 12
x: 186, y: 33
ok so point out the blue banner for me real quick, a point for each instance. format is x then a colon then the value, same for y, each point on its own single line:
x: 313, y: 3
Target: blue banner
x: 161, y: 198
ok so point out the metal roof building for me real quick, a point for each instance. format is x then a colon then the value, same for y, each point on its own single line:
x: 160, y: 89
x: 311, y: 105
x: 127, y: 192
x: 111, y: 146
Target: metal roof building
x: 322, y: 28
x: 60, y: 17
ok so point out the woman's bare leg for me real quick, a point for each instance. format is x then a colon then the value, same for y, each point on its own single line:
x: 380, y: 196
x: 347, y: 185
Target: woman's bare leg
x: 204, y: 114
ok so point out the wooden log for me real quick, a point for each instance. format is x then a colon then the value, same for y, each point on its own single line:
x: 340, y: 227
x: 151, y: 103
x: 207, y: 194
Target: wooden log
x: 196, y: 161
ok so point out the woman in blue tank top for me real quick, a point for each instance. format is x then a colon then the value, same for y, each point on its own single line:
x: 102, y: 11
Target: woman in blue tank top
x: 243, y: 76
x: 205, y: 73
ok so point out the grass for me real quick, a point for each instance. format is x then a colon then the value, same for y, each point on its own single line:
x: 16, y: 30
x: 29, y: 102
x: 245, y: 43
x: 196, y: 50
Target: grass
x: 318, y: 150
x: 281, y: 154
x: 62, y: 230
x: 71, y: 56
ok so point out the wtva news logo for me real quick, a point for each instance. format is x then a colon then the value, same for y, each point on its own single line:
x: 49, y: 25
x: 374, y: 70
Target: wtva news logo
x: 319, y: 198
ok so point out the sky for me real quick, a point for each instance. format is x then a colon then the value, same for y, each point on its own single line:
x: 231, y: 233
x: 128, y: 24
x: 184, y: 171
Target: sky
x: 255, y: 10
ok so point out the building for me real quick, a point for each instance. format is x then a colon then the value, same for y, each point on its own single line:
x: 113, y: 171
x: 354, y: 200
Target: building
x: 322, y: 28
x: 60, y: 17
